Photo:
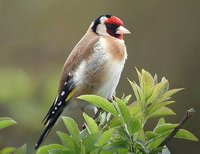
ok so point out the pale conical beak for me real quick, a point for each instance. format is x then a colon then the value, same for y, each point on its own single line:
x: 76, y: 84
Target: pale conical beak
x: 122, y: 30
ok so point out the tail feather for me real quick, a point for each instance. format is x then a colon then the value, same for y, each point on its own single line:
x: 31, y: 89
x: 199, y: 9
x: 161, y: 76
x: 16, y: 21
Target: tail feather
x: 55, y: 110
x: 50, y: 110
x: 44, y: 134
x: 48, y: 128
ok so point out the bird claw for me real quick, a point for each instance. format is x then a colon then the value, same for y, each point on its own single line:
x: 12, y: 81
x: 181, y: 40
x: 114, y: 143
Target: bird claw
x: 112, y: 99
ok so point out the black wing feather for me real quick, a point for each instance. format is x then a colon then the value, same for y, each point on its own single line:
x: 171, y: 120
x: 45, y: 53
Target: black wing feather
x: 56, y: 109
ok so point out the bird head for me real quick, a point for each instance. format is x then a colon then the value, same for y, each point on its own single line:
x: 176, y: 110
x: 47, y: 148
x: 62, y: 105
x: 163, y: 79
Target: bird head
x: 109, y: 25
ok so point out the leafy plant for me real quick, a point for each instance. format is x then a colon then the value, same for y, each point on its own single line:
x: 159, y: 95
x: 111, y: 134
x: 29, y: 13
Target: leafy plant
x: 119, y: 128
x: 4, y: 123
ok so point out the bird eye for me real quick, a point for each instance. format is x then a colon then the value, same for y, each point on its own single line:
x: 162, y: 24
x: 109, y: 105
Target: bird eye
x: 108, y: 26
x: 111, y: 27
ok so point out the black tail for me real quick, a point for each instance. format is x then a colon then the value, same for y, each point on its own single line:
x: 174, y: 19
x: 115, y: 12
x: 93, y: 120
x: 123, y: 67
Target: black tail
x: 49, y: 124
x: 55, y: 111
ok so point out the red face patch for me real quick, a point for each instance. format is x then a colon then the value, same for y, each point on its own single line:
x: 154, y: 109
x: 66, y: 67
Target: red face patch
x: 115, y: 21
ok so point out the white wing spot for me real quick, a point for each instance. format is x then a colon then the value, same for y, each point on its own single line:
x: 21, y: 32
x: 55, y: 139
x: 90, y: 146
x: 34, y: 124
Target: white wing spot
x: 59, y: 103
x: 63, y: 93
x: 53, y: 112
x: 56, y: 108
x: 65, y: 83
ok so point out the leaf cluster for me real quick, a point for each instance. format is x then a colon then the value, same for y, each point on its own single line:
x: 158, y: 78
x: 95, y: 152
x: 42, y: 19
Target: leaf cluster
x: 4, y: 123
x: 120, y: 127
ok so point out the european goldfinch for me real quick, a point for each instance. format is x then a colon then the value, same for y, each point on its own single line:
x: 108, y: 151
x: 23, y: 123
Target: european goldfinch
x: 93, y: 67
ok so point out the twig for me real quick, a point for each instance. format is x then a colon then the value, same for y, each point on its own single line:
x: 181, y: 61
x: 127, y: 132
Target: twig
x: 188, y: 114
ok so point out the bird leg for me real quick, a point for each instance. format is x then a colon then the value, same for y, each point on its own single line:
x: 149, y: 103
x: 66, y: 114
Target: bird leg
x: 97, y: 113
x: 112, y: 99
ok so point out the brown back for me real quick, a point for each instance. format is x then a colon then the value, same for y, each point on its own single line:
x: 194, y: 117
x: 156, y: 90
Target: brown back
x: 80, y: 52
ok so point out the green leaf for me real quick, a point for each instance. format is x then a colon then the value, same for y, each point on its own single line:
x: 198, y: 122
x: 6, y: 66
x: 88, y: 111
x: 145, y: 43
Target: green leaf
x: 6, y: 122
x: 159, y: 89
x: 141, y: 135
x: 96, y: 151
x: 21, y: 150
x: 122, y: 151
x: 140, y: 144
x: 68, y: 142
x: 105, y: 137
x: 139, y: 75
x: 91, y: 124
x: 45, y: 149
x: 121, y: 133
x: 147, y: 84
x: 156, y: 106
x: 114, y: 122
x: 150, y: 135
x: 90, y: 141
x: 133, y: 125
x: 108, y: 151
x: 100, y: 102
x: 134, y: 109
x: 164, y: 127
x: 60, y: 151
x: 82, y: 148
x: 116, y: 145
x: 135, y: 88
x: 155, y: 142
x: 163, y: 111
x: 122, y: 109
x: 169, y: 93
x: 184, y: 134
x: 127, y: 99
x: 8, y: 150
x: 72, y: 127
x: 161, y: 121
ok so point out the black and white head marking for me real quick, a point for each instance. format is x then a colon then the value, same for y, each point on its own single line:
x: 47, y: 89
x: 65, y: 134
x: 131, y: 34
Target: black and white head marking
x: 98, y: 25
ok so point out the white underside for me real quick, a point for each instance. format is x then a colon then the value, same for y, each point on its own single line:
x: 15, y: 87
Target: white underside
x: 95, y: 64
x: 107, y: 89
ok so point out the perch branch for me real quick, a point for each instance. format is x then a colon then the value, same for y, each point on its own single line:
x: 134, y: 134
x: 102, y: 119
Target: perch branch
x: 188, y: 114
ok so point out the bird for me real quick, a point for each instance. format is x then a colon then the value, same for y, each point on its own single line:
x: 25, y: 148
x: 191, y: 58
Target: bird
x: 93, y: 67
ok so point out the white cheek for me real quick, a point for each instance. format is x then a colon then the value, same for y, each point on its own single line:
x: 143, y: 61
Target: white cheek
x: 101, y: 30
x: 103, y: 19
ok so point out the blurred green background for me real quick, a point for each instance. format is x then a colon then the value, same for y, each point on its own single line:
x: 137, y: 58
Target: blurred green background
x: 36, y: 36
